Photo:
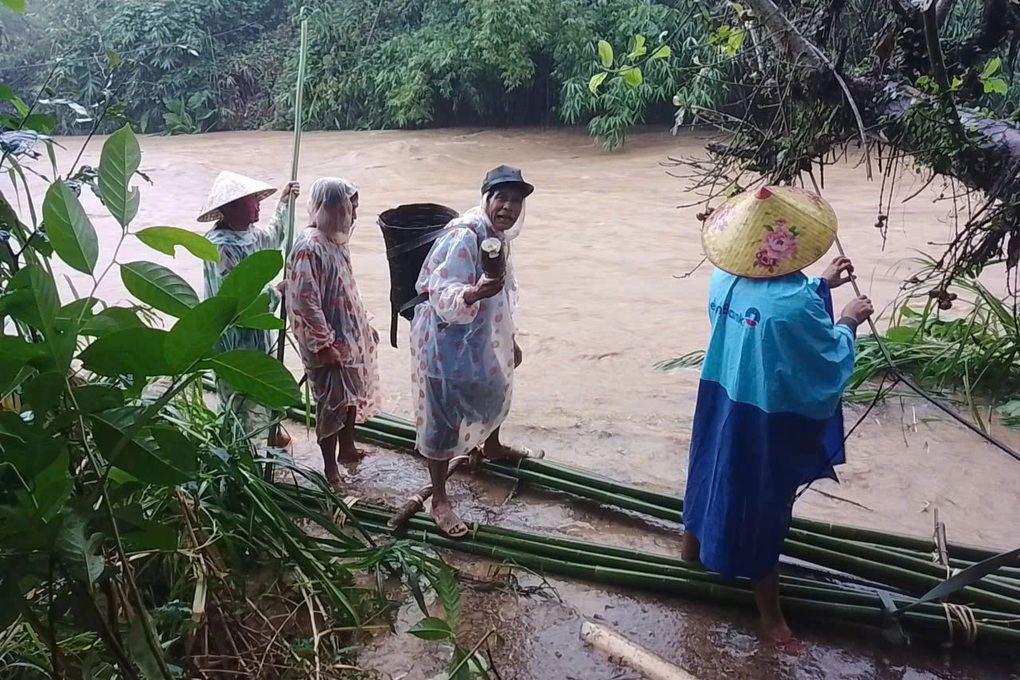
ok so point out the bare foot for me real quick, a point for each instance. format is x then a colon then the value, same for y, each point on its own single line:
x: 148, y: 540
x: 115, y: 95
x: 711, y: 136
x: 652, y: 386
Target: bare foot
x: 282, y: 439
x: 335, y: 480
x: 779, y: 635
x: 447, y: 520
x: 510, y: 453
x: 349, y: 454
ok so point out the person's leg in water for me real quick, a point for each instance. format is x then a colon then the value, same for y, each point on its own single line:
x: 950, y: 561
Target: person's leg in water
x: 690, y: 548
x: 445, y: 517
x: 766, y: 597
x: 349, y: 451
x: 328, y: 447
x: 494, y: 449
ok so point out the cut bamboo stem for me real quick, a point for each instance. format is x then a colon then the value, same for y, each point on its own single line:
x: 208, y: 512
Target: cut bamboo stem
x: 616, y: 647
x: 416, y: 503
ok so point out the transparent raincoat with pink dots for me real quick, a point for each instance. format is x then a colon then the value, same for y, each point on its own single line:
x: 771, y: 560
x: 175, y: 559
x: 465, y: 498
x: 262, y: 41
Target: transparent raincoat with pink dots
x: 462, y: 355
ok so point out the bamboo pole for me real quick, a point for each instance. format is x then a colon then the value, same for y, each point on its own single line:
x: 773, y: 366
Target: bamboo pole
x: 416, y: 503
x: 617, y: 647
x: 281, y: 338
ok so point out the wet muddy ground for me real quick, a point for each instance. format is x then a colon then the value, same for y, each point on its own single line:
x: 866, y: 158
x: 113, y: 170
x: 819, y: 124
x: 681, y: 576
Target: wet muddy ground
x: 535, y: 621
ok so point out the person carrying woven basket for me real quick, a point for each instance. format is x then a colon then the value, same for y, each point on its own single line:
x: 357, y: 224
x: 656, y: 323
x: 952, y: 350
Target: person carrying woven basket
x: 332, y: 330
x: 234, y: 205
x: 463, y: 339
x: 768, y: 417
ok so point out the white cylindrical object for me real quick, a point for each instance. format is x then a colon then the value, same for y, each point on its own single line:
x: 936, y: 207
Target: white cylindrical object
x: 617, y: 647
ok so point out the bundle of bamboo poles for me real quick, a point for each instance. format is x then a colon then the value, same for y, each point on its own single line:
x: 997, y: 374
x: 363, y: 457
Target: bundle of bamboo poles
x: 890, y: 562
x: 662, y: 574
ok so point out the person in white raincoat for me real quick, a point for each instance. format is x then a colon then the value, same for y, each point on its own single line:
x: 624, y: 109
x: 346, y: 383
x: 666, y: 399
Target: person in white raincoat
x: 330, y: 325
x: 463, y: 344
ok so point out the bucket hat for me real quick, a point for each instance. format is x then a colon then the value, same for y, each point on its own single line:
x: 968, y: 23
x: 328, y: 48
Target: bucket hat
x: 228, y: 187
x: 769, y: 232
x: 505, y: 174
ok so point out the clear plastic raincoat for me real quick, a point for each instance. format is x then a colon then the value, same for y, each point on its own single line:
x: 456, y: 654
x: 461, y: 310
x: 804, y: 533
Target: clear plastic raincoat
x: 326, y: 311
x: 462, y: 355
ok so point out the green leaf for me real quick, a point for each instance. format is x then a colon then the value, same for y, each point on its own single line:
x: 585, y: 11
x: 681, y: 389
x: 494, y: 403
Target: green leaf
x: 900, y: 334
x: 632, y: 76
x: 432, y: 629
x: 117, y: 167
x: 248, y: 279
x: 991, y: 68
x: 141, y: 653
x: 139, y: 456
x: 52, y: 487
x: 16, y: 5
x: 111, y: 320
x: 257, y: 375
x: 70, y: 313
x: 175, y: 448
x: 596, y: 81
x: 71, y: 233
x: 195, y: 333
x: 158, y: 287
x: 29, y: 449
x: 78, y: 549
x: 605, y: 54
x: 663, y: 52
x: 266, y: 321
x: 638, y: 47
x: 32, y: 298
x: 113, y: 59
x: 135, y: 351
x: 95, y: 398
x: 43, y: 392
x: 995, y: 86
x: 166, y: 240
x: 18, y: 350
x: 8, y: 95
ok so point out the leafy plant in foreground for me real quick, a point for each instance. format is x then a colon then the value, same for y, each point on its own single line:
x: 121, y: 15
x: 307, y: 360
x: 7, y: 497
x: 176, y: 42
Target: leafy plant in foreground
x: 138, y: 536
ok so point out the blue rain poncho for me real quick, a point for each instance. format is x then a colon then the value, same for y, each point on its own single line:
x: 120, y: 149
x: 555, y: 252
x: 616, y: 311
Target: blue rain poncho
x: 462, y: 355
x: 768, y: 416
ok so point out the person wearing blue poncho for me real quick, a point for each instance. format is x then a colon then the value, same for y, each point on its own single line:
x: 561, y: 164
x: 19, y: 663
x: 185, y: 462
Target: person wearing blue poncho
x: 768, y: 417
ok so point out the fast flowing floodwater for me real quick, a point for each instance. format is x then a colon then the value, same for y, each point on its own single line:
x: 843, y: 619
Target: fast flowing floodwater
x: 598, y: 263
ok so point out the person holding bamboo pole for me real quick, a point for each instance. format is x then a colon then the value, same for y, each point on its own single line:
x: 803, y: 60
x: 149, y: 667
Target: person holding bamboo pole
x: 463, y: 338
x: 234, y: 205
x: 331, y: 327
x: 768, y: 417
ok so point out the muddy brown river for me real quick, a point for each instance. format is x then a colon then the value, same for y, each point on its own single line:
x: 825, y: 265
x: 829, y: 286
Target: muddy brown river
x: 600, y: 263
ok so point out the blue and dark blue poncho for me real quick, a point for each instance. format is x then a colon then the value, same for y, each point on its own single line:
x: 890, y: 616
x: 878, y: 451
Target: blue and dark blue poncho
x: 768, y: 416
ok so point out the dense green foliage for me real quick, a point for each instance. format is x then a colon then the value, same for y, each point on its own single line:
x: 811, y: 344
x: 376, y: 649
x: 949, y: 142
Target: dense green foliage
x: 141, y: 535
x: 193, y: 65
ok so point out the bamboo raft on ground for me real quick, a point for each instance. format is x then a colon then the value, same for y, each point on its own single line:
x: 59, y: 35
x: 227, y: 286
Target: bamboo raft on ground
x: 619, y: 567
x: 878, y: 572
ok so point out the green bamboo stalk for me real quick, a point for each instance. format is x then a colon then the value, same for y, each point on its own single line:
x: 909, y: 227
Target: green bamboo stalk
x: 894, y: 576
x: 486, y: 542
x: 593, y: 554
x: 884, y: 556
x: 927, y: 624
x: 393, y: 431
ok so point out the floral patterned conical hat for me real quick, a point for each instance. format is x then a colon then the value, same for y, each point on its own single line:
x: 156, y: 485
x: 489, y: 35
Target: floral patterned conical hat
x: 769, y: 232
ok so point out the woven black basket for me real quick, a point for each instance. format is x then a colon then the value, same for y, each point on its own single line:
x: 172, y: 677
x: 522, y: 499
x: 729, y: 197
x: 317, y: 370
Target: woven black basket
x: 409, y: 232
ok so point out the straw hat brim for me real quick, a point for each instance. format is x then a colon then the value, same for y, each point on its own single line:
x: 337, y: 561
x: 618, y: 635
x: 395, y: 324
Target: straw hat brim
x: 769, y: 233
x: 229, y: 187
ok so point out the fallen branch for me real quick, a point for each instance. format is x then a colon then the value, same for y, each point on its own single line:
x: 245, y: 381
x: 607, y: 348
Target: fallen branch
x: 617, y: 647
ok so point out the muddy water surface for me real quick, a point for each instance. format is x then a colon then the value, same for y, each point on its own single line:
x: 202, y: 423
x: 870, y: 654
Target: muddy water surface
x: 598, y: 262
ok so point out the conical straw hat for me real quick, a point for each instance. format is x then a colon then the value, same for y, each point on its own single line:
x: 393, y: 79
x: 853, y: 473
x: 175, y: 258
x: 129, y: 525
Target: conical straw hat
x: 228, y: 187
x: 770, y: 232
